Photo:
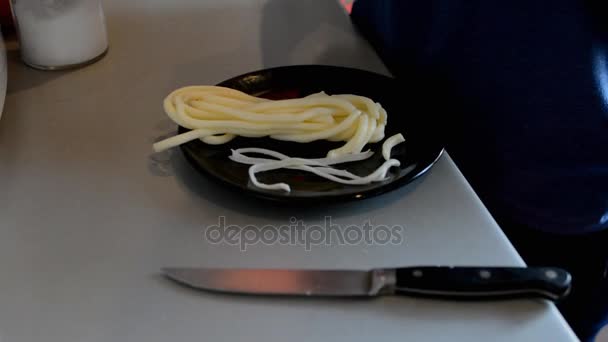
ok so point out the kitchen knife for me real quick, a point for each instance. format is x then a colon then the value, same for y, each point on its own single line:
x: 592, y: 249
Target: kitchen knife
x: 447, y: 282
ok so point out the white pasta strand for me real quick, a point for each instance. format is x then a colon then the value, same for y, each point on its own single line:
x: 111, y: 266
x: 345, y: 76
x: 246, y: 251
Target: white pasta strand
x: 240, y: 157
x: 303, y: 164
x: 391, y: 142
x: 356, y: 143
x: 218, y: 139
x: 216, y: 115
x: 320, y: 166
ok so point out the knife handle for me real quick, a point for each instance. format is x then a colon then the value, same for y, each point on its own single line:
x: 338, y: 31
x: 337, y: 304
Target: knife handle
x: 484, y: 282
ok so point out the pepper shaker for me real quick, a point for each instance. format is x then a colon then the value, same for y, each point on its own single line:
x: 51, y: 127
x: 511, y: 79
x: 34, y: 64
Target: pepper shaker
x: 60, y: 34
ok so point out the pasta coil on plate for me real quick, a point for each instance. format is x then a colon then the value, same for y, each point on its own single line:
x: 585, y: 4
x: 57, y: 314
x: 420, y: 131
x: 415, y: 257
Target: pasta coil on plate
x: 217, y: 115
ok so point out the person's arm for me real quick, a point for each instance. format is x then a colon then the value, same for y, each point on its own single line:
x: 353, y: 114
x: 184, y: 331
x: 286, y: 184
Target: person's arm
x: 523, y: 95
x: 409, y: 34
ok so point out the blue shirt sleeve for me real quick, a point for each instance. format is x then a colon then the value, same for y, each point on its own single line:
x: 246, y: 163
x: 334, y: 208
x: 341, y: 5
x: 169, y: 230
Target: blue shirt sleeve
x: 529, y: 121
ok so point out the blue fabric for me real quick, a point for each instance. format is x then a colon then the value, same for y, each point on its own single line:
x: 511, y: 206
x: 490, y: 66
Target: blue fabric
x: 586, y: 258
x: 529, y: 81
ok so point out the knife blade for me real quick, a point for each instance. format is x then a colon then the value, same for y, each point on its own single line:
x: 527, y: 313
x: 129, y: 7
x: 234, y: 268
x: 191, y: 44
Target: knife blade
x: 435, y: 281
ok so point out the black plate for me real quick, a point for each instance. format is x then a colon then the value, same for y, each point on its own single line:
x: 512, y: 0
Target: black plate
x: 406, y: 115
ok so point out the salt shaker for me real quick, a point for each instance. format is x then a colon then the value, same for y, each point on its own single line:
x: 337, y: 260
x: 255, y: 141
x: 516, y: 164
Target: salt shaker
x: 60, y: 34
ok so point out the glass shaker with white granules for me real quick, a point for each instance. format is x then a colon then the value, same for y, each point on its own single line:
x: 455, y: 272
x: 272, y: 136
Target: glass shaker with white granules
x: 60, y: 34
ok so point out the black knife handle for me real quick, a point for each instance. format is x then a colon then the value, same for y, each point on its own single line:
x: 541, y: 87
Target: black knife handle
x: 483, y: 282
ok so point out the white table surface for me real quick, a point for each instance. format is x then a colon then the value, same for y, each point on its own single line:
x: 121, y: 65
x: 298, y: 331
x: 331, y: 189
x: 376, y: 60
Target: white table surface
x: 88, y: 215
